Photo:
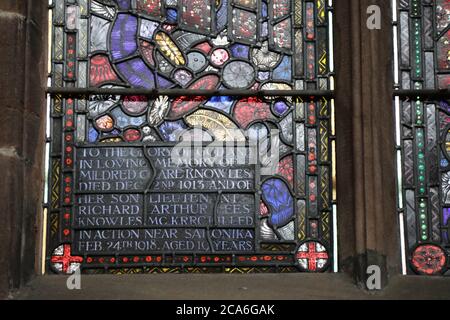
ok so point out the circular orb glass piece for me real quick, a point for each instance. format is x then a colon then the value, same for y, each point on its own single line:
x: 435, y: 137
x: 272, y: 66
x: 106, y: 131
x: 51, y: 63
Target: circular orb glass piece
x: 182, y: 76
x: 196, y: 61
x: 105, y: 123
x: 429, y: 259
x: 132, y: 134
x: 280, y: 108
x: 238, y: 74
x: 135, y: 104
x: 219, y: 57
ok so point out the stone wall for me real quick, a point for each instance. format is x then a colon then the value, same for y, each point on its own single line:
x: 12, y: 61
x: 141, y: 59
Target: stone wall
x: 23, y: 31
x: 368, y: 224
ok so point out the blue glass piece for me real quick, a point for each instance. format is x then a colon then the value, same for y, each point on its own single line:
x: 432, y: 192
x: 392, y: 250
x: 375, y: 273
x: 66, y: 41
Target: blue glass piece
x: 240, y: 51
x: 264, y: 32
x: 93, y: 135
x: 281, y: 204
x: 264, y: 10
x: 222, y: 16
x: 169, y: 129
x: 284, y: 70
x: 171, y: 15
x: 123, y: 120
x: 263, y: 76
x: 221, y: 103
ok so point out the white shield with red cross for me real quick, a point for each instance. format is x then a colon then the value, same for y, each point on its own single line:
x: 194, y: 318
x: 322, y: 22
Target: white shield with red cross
x: 62, y: 260
x: 312, y: 256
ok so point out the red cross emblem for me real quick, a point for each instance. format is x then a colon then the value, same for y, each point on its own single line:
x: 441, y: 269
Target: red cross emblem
x: 312, y: 256
x: 63, y: 261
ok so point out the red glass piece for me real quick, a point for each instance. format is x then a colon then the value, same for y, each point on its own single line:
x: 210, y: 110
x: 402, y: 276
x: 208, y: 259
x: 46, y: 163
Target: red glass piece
x: 183, y: 105
x: 250, y: 109
x: 286, y: 169
x: 101, y: 71
x: 429, y: 259
x: 204, y: 47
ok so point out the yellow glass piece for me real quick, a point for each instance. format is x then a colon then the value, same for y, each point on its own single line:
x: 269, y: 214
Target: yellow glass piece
x: 447, y: 146
x: 218, y: 125
x: 169, y: 49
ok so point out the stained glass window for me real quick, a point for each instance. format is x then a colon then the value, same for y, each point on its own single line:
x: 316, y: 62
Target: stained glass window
x: 422, y: 68
x: 123, y: 73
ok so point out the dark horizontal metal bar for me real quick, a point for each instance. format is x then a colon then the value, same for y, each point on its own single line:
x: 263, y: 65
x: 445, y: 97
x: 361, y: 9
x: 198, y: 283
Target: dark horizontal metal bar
x: 423, y: 94
x: 80, y: 92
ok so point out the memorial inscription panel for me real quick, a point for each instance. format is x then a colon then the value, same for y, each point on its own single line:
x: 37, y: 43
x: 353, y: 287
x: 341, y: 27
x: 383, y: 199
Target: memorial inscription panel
x: 137, y: 200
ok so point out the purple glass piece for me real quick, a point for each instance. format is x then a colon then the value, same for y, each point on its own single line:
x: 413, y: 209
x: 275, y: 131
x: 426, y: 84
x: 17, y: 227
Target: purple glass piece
x: 240, y: 51
x: 445, y: 221
x: 446, y: 216
x: 137, y: 73
x: 124, y: 4
x: 163, y: 82
x: 280, y: 108
x: 123, y: 36
x: 444, y: 105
